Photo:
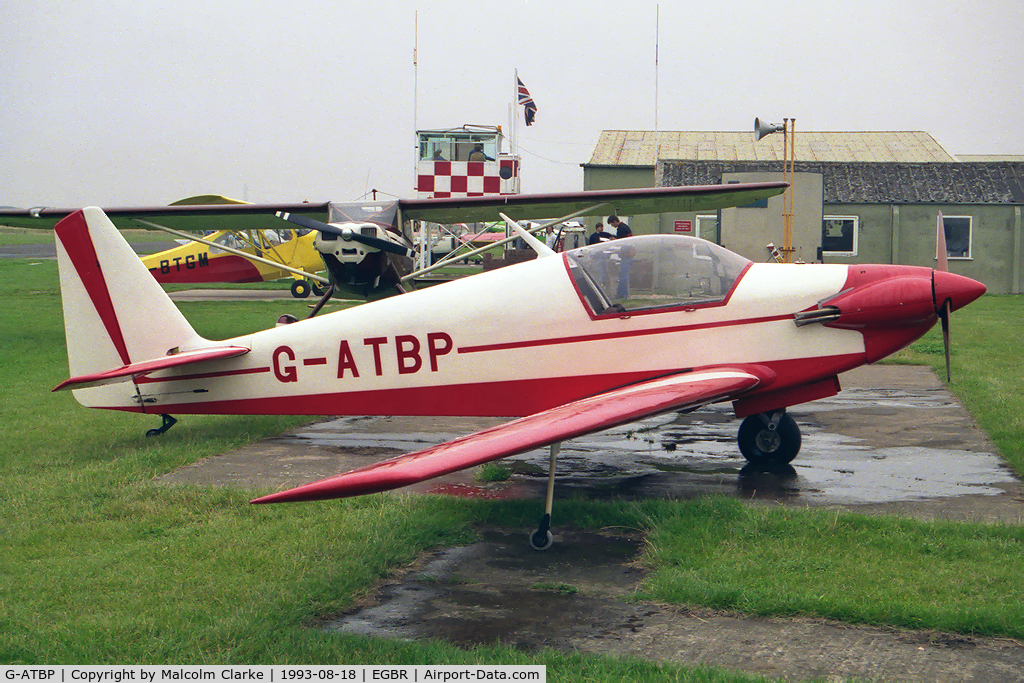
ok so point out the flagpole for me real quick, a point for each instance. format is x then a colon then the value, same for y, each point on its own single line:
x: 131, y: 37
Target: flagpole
x: 657, y: 133
x: 515, y: 113
x: 415, y: 91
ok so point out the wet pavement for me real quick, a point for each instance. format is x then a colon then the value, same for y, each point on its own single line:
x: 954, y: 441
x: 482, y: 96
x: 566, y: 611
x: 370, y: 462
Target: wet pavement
x: 576, y: 597
x: 236, y: 294
x: 894, y: 441
x: 49, y: 250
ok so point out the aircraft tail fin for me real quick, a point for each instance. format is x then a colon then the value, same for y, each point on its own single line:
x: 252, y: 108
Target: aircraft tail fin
x: 115, y: 313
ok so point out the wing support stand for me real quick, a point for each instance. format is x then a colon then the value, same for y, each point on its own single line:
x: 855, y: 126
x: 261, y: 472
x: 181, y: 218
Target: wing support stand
x: 542, y: 539
x: 168, y: 422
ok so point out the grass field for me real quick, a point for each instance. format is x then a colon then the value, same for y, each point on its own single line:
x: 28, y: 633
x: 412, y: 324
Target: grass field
x: 101, y: 566
x: 9, y: 235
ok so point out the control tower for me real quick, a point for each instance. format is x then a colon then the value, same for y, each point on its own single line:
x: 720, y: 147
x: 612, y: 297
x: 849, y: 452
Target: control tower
x: 465, y: 162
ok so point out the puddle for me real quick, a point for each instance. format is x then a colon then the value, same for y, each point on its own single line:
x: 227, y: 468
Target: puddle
x: 906, y: 443
x: 682, y: 454
x: 499, y: 591
x: 577, y: 597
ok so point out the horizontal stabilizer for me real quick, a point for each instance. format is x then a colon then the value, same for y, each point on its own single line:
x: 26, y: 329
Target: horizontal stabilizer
x: 676, y: 392
x: 144, y: 367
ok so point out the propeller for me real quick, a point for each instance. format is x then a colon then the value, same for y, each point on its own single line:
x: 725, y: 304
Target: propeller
x: 946, y: 307
x: 345, y: 233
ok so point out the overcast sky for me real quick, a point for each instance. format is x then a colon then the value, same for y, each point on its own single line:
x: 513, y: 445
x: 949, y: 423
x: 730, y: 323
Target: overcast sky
x: 136, y: 103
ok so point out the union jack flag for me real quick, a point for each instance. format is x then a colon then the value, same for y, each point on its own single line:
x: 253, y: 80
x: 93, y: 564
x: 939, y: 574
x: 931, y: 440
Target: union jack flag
x: 525, y: 99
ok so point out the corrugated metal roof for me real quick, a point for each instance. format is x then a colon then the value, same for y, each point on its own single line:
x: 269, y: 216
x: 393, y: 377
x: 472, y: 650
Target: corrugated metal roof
x: 878, y: 183
x: 638, y: 148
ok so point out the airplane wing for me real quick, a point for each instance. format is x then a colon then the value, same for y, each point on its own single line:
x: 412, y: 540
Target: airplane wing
x: 209, y: 213
x: 144, y: 367
x: 203, y: 217
x: 624, y: 202
x: 675, y: 392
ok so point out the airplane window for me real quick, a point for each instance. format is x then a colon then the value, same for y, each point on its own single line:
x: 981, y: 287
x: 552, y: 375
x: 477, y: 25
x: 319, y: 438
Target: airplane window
x: 227, y: 239
x: 668, y: 271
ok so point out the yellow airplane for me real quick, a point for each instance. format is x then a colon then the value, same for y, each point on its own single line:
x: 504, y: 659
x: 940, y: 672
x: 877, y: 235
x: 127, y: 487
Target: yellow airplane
x: 239, y: 255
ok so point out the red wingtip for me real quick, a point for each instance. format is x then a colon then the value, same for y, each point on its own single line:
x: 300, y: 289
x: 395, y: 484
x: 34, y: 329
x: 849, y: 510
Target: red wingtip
x: 296, y: 495
x: 339, y: 486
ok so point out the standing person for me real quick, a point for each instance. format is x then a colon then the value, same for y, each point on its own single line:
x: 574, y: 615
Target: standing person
x: 478, y: 153
x: 621, y: 229
x: 599, y: 235
x: 551, y: 238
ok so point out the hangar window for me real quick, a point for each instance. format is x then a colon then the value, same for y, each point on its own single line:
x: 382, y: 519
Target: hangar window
x: 653, y: 273
x: 958, y: 236
x: 839, y: 235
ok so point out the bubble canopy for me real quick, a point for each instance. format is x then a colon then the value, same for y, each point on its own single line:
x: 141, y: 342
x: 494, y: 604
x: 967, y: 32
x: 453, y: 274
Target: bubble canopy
x: 652, y: 273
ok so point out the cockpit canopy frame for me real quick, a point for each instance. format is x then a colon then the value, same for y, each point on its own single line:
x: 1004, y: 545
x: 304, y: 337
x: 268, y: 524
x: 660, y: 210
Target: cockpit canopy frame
x: 653, y: 273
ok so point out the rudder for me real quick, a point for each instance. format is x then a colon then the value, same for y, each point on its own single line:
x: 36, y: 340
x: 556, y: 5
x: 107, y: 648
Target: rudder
x: 115, y: 313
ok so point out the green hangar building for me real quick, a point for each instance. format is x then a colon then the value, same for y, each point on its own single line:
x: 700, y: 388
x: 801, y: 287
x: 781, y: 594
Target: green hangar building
x: 858, y: 197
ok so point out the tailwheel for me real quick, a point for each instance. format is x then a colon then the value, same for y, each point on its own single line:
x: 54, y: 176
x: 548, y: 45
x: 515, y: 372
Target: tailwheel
x: 542, y: 538
x: 768, y: 439
x: 168, y: 422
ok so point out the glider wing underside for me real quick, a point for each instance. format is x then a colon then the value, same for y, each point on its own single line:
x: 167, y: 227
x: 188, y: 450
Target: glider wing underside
x: 595, y: 202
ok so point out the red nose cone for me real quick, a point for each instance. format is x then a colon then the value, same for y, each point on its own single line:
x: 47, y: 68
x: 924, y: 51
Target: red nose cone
x: 958, y: 289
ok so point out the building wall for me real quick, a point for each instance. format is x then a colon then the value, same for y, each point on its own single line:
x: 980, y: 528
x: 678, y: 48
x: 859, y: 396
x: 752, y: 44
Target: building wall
x: 747, y: 231
x: 621, y: 178
x: 888, y: 233
x: 905, y: 234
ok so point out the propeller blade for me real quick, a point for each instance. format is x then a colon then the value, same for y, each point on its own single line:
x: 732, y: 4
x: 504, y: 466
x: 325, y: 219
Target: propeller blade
x: 348, y: 234
x: 941, y: 255
x: 307, y: 222
x: 944, y: 314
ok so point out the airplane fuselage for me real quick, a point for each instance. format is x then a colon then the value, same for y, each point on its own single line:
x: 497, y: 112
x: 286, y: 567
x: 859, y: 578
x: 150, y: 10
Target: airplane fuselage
x: 524, y: 338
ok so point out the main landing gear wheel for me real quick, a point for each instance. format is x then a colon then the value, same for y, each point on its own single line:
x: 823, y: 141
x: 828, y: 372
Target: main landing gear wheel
x: 542, y: 539
x: 168, y: 422
x: 768, y: 439
x: 301, y: 289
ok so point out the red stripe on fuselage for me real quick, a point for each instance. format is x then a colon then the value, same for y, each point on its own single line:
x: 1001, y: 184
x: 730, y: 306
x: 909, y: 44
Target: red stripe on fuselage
x: 202, y: 375
x: 492, y: 399
x: 619, y: 335
x: 73, y: 233
x: 220, y: 268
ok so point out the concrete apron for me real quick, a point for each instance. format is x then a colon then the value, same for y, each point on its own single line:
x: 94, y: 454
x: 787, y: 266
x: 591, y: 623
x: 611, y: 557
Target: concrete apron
x: 895, y: 441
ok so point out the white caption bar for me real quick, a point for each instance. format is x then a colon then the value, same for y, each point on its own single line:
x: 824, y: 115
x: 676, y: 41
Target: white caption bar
x: 272, y: 674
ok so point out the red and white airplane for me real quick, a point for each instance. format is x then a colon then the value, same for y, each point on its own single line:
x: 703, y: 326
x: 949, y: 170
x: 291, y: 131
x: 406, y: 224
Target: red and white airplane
x: 657, y: 323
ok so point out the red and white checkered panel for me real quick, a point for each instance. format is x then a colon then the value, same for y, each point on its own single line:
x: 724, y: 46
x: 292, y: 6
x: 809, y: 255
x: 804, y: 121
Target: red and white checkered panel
x: 468, y: 178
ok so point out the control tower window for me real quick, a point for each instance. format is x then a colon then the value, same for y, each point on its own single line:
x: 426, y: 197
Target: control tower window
x: 458, y: 146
